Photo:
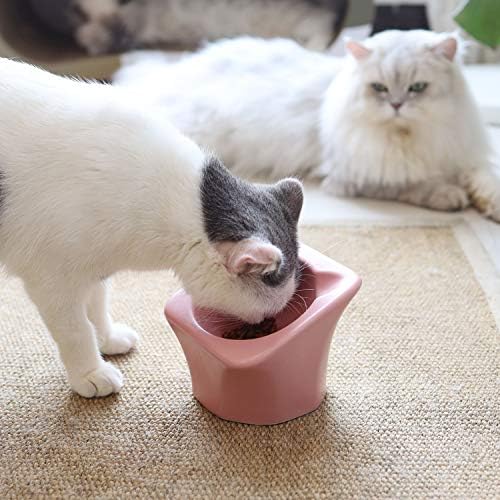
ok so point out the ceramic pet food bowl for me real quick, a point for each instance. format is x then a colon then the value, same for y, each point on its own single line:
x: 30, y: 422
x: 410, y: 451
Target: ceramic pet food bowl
x: 277, y: 377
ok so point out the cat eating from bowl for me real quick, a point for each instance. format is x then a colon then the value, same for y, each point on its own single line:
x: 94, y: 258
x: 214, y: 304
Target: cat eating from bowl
x: 92, y: 183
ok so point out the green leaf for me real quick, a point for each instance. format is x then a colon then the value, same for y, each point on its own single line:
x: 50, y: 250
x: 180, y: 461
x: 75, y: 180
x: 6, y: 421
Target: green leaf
x: 481, y: 19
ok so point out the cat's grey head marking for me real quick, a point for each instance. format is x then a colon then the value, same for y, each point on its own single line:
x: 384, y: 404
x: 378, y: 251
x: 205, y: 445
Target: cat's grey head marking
x: 234, y: 210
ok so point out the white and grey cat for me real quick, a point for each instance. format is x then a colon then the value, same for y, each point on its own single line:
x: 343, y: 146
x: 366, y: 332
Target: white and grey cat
x: 102, y: 26
x: 393, y: 120
x: 91, y: 184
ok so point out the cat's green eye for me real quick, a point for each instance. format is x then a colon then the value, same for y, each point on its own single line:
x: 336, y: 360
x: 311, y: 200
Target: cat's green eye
x: 379, y: 87
x: 418, y: 87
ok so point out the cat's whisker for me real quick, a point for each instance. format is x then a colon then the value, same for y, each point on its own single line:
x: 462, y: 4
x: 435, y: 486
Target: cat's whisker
x: 303, y: 300
x: 301, y: 307
x: 294, y: 308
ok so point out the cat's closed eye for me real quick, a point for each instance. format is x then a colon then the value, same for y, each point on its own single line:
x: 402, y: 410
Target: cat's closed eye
x: 418, y: 87
x: 379, y: 87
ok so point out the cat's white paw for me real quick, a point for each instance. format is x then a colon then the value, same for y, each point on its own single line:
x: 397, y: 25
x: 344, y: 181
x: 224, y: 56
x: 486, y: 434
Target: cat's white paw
x: 491, y: 208
x: 98, y: 383
x: 484, y: 191
x: 448, y: 197
x: 122, y: 340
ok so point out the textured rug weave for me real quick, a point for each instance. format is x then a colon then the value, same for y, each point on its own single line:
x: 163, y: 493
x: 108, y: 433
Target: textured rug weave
x: 412, y: 410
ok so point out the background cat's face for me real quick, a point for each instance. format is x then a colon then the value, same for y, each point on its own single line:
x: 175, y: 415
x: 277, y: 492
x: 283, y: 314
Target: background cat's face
x: 253, y: 233
x: 402, y: 76
x: 105, y: 26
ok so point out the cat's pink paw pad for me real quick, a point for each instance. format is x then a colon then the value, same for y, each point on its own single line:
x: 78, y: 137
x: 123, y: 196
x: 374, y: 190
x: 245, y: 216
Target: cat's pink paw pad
x: 101, y: 382
x: 122, y: 340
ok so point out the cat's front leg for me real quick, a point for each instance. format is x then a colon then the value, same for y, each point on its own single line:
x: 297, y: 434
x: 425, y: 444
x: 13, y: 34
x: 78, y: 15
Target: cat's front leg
x: 483, y: 187
x: 437, y: 195
x: 64, y: 314
x: 113, y: 338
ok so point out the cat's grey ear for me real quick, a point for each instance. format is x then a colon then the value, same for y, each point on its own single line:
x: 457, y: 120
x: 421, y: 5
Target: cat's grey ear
x: 291, y: 193
x: 249, y: 256
x: 447, y: 48
x: 357, y: 49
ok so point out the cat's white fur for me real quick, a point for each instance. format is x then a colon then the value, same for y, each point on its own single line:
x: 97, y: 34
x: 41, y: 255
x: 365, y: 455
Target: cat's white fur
x: 264, y: 96
x: 95, y: 184
x: 305, y: 113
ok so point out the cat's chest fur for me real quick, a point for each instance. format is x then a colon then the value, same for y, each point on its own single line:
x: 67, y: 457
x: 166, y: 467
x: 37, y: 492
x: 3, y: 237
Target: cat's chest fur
x: 383, y: 159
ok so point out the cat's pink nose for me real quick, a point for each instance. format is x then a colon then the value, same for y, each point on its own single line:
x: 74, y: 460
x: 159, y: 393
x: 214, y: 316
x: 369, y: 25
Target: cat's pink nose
x: 396, y: 105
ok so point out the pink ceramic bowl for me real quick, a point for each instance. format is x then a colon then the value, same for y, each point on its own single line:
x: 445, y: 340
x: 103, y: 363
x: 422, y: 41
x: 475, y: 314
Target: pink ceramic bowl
x: 271, y: 379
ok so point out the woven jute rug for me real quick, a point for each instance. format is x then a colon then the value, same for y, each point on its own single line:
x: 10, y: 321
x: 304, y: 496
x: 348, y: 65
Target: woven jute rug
x: 412, y: 409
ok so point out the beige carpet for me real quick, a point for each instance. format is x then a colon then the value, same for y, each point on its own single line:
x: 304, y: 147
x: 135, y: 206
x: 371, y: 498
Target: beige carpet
x: 412, y: 410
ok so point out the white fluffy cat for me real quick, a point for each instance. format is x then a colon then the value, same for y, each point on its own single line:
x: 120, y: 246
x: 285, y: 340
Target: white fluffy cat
x: 394, y: 119
x: 91, y: 184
